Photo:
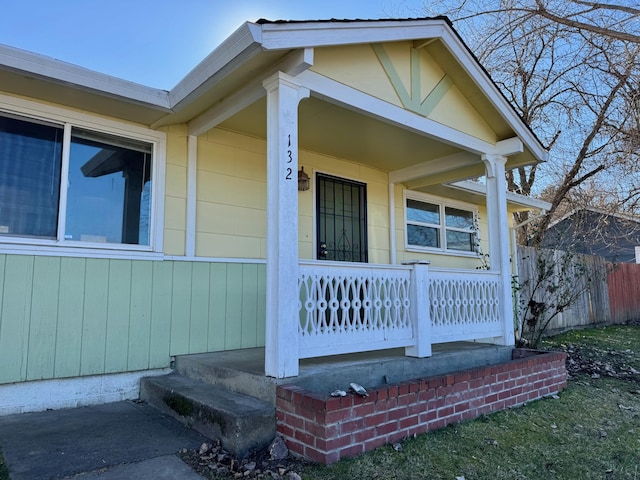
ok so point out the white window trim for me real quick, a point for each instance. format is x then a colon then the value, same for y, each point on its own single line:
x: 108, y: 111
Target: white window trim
x: 441, y: 203
x: 67, y: 119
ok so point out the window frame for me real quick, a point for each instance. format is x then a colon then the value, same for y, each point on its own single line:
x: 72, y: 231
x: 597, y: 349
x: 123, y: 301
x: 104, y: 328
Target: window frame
x: 442, y: 228
x: 31, y: 111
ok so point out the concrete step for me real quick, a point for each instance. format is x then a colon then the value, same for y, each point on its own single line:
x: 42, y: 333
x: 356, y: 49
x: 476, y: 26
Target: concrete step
x: 242, y: 423
x: 234, y: 370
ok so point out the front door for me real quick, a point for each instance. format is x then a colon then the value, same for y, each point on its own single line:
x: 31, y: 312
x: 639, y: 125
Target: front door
x: 342, y: 219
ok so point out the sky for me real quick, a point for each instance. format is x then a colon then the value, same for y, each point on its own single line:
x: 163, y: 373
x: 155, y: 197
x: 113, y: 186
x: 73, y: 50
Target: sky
x: 157, y: 42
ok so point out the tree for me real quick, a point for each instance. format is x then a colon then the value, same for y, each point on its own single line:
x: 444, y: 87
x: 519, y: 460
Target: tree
x: 571, y: 69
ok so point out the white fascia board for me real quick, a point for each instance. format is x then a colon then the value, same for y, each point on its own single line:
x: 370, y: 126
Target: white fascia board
x: 289, y: 35
x: 512, y: 197
x: 293, y: 64
x: 238, y: 47
x: 332, y: 91
x: 486, y: 85
x: 40, y: 66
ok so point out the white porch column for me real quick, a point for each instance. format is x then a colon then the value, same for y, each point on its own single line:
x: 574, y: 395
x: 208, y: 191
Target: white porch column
x: 281, y: 335
x: 420, y: 307
x: 499, y: 249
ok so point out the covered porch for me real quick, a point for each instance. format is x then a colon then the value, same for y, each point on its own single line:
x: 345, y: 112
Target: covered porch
x: 406, y: 100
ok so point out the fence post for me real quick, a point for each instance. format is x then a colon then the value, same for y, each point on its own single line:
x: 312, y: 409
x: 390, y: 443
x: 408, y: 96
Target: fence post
x: 420, y: 309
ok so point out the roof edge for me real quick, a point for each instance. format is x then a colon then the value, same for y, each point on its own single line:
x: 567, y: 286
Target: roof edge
x: 63, y: 73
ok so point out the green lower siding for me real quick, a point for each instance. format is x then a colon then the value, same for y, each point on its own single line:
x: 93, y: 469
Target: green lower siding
x: 67, y: 317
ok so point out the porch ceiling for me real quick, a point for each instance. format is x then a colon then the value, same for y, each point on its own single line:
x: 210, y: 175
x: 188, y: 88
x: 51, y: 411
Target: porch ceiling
x: 333, y: 130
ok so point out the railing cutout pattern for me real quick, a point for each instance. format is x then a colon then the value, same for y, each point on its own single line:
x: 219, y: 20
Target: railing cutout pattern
x: 350, y: 308
x: 464, y: 305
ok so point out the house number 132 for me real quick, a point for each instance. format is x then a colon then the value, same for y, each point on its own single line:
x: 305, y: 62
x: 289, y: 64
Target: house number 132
x: 289, y: 159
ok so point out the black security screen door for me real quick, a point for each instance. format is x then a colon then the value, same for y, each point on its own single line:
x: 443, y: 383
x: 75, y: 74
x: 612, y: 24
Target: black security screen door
x: 342, y: 219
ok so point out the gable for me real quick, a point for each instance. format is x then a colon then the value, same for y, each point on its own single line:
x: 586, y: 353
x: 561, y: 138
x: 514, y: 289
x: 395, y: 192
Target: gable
x: 406, y: 76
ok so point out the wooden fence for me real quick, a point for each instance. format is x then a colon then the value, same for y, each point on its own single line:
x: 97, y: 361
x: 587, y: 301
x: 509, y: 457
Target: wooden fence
x: 624, y: 292
x: 588, y: 279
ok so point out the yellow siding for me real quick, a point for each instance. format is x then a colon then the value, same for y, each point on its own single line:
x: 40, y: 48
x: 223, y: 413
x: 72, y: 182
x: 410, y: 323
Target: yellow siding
x: 231, y: 198
x: 175, y: 191
x: 360, y: 68
x: 455, y: 111
x: 356, y: 66
x: 430, y: 72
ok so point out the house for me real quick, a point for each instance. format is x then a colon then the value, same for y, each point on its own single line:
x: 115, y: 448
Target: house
x: 296, y: 191
x: 595, y: 231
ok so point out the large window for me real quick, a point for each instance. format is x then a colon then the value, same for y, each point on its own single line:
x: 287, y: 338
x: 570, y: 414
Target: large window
x: 433, y: 226
x: 104, y: 199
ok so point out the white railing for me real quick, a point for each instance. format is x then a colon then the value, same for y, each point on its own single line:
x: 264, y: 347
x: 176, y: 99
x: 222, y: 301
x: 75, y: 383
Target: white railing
x: 351, y: 307
x: 346, y: 307
x: 465, y: 305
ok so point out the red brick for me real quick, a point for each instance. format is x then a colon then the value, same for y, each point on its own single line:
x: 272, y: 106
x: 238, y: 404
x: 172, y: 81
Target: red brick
x: 394, y: 437
x: 396, y: 413
x: 374, y: 443
x: 285, y: 430
x: 461, y: 387
x: 321, y: 430
x: 364, y: 435
x: 293, y: 420
x: 352, y: 451
x: 393, y: 391
x: 316, y: 456
x: 304, y: 437
x: 491, y: 398
x: 338, y: 416
x: 374, y: 420
x: 351, y: 425
x: 408, y: 399
x: 426, y: 395
x: 445, y: 411
x: 409, y: 422
x: 332, y: 404
x: 346, y: 402
x: 333, y: 444
x: 461, y: 407
x: 414, y: 387
x: 387, y: 404
x: 363, y: 410
x: 437, y: 382
x: 437, y: 424
x: 382, y: 394
x: 416, y: 408
x: 451, y: 379
x: 386, y: 428
x: 295, y: 447
x: 427, y: 417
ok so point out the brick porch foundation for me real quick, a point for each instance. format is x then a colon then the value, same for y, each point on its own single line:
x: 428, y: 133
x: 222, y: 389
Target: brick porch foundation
x: 324, y: 429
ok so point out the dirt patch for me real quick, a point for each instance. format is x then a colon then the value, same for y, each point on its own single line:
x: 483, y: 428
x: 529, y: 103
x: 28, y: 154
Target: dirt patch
x: 213, y: 462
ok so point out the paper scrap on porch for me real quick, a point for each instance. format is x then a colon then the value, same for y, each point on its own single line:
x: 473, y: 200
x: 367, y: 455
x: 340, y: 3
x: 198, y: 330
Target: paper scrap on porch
x: 359, y: 389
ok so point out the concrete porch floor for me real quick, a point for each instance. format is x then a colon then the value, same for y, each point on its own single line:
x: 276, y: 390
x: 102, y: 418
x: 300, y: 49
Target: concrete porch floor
x: 243, y: 370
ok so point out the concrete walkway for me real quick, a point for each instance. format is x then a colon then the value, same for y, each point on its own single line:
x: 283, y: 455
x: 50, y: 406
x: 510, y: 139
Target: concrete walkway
x: 117, y: 441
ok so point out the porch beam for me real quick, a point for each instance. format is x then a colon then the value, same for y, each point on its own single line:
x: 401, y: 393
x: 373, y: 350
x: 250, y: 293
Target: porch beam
x: 293, y: 64
x: 284, y: 94
x: 443, y: 164
x: 499, y: 247
x: 348, y: 97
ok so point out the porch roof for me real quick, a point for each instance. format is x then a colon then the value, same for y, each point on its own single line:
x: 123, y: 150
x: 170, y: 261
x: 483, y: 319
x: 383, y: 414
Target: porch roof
x: 253, y: 50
